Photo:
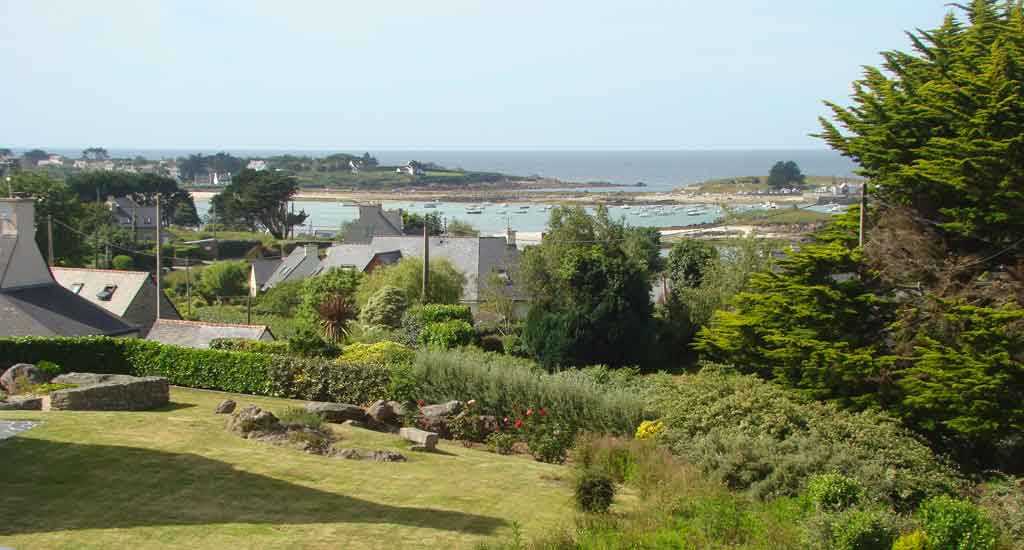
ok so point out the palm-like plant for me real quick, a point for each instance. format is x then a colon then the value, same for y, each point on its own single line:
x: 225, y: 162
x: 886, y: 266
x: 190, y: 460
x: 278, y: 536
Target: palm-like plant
x: 336, y: 312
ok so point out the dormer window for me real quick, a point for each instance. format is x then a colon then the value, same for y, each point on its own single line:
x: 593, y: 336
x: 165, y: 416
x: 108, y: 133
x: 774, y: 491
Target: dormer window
x: 77, y: 287
x: 107, y: 293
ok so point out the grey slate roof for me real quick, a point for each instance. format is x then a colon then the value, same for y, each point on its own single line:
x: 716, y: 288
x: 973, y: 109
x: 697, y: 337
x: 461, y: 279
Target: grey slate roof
x: 263, y: 269
x: 474, y: 257
x: 52, y: 310
x: 129, y: 284
x: 124, y: 208
x: 300, y: 264
x: 373, y: 221
x: 197, y: 334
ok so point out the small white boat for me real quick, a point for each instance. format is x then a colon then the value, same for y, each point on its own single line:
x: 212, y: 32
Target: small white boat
x: 474, y: 211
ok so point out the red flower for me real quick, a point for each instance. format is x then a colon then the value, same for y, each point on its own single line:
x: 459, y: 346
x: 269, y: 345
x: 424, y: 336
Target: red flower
x: 529, y: 412
x: 543, y: 412
x: 421, y: 402
x: 423, y: 422
x: 519, y: 423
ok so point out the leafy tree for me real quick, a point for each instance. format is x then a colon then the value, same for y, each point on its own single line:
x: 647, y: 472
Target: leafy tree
x: 258, y: 199
x: 221, y: 280
x: 54, y: 198
x: 194, y: 165
x: 459, y: 228
x: 123, y: 262
x: 785, y: 174
x: 385, y: 307
x: 34, y: 156
x: 413, y: 223
x: 177, y: 205
x: 282, y: 299
x: 937, y: 130
x: 590, y: 285
x: 498, y: 298
x: 368, y: 160
x: 95, y: 153
x: 316, y: 291
x: 688, y: 260
x: 446, y: 282
x: 5, y: 152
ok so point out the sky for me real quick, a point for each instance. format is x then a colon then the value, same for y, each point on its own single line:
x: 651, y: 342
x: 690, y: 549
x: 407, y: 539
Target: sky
x: 438, y: 74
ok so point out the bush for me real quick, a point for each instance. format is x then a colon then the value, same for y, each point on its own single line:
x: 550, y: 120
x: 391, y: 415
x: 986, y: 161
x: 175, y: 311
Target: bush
x: 49, y: 368
x: 46, y: 389
x: 447, y: 334
x: 614, y: 457
x: 439, y: 313
x: 649, y: 429
x: 833, y: 491
x: 412, y: 325
x: 468, y: 427
x: 757, y: 437
x: 308, y: 343
x: 403, y: 385
x: 383, y: 354
x: 506, y: 386
x: 492, y: 343
x: 283, y: 299
x: 298, y: 416
x: 955, y: 524
x: 221, y: 280
x: 252, y: 346
x: 862, y: 530
x: 548, y: 439
x: 1003, y: 502
x: 122, y: 262
x: 501, y: 442
x: 235, y: 248
x: 384, y: 307
x: 911, y: 541
x: 322, y: 380
x: 594, y: 492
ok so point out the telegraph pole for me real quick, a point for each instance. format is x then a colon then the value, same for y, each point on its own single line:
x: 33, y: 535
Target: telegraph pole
x: 426, y: 258
x: 159, y: 245
x: 49, y: 238
x: 863, y: 209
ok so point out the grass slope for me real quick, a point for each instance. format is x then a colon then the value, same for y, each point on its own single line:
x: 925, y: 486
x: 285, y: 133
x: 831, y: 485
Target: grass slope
x: 177, y: 478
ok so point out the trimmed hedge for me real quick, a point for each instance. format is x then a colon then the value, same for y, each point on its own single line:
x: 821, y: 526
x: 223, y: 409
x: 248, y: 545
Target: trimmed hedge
x: 254, y: 346
x: 439, y: 313
x: 240, y: 372
x: 447, y: 334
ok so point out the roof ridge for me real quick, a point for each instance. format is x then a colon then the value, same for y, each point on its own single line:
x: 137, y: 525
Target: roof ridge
x: 210, y: 323
x: 92, y: 269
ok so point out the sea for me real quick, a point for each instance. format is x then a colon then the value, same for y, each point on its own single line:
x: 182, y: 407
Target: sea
x: 662, y: 170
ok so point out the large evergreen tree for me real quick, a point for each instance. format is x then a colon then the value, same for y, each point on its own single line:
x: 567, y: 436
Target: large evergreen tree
x: 258, y: 199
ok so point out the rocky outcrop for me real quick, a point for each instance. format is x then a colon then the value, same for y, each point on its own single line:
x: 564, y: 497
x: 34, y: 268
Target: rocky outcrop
x: 253, y: 421
x: 450, y: 408
x: 423, y: 440
x: 376, y: 456
x: 22, y: 403
x: 383, y: 412
x: 337, y: 412
x: 225, y: 407
x: 20, y: 375
x: 110, y: 392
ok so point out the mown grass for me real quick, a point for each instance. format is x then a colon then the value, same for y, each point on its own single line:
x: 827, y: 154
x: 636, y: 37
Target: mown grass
x: 176, y: 478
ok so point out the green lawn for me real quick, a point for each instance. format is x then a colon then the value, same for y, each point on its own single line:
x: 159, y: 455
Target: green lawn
x: 177, y: 478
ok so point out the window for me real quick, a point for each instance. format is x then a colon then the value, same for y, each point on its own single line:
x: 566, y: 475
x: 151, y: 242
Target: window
x: 107, y: 293
x: 77, y: 287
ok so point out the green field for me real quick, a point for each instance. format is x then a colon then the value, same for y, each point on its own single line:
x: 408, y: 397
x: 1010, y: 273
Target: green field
x: 781, y: 216
x: 747, y: 184
x: 176, y: 478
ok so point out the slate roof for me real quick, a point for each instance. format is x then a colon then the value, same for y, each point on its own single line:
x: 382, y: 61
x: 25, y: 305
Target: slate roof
x: 93, y: 281
x: 474, y: 257
x: 52, y: 310
x: 373, y: 222
x: 300, y: 264
x: 124, y: 207
x: 198, y: 334
x: 263, y: 269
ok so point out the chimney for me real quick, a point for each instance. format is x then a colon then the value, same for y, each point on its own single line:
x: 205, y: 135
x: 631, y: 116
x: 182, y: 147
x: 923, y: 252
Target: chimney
x: 21, y: 262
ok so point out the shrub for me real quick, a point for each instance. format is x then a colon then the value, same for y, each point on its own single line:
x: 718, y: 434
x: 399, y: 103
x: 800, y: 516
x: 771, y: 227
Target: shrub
x: 505, y: 386
x: 252, y: 346
x: 298, y: 416
x: 649, y: 429
x: 384, y: 307
x: 321, y: 380
x: 501, y: 442
x: 447, y: 334
x: 469, y: 427
x: 122, y: 262
x: 955, y: 524
x: 439, y: 313
x: 308, y: 343
x: 1003, y: 502
x: 46, y: 389
x: 862, y: 530
x: 548, y: 439
x: 403, y: 385
x: 380, y: 354
x: 492, y: 343
x: 911, y: 541
x: 412, y: 325
x: 282, y: 299
x: 611, y: 456
x: 594, y: 492
x: 222, y: 279
x: 49, y: 368
x: 757, y: 437
x: 833, y: 491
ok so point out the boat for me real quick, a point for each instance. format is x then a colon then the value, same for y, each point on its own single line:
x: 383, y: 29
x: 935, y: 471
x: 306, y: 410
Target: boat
x: 696, y: 212
x: 474, y: 211
x: 626, y: 207
x: 429, y: 205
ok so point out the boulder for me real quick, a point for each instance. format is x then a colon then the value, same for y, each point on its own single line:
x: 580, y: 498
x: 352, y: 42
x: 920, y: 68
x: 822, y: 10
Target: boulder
x: 387, y: 456
x: 90, y: 378
x: 376, y: 456
x: 11, y: 377
x: 225, y: 407
x: 422, y: 438
x: 117, y: 393
x: 399, y: 408
x: 22, y: 403
x: 381, y: 411
x: 444, y: 409
x: 337, y: 412
x: 254, y: 420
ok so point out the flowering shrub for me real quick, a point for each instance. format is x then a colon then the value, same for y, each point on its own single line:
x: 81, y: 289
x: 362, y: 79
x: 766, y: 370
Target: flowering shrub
x: 911, y: 541
x: 501, y: 442
x: 649, y: 429
x: 955, y: 523
x: 833, y: 491
x: 468, y: 426
x: 548, y: 439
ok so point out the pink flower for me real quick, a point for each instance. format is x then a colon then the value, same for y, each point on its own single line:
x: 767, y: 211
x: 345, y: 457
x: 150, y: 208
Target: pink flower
x: 519, y: 423
x: 471, y: 402
x: 543, y: 412
x: 506, y: 420
x: 529, y: 412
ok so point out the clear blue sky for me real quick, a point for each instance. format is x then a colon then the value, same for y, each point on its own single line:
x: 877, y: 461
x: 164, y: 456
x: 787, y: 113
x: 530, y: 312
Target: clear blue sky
x: 437, y: 74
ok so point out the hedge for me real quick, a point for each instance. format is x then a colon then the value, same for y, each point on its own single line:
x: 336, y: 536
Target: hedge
x: 279, y: 347
x: 439, y: 313
x: 233, y: 371
x: 447, y: 334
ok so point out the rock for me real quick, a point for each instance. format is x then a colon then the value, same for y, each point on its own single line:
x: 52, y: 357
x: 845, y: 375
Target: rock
x: 444, y: 409
x: 422, y: 438
x: 387, y: 456
x: 22, y: 403
x: 399, y: 408
x: 253, y: 419
x: 117, y: 393
x: 337, y: 412
x: 10, y: 378
x: 376, y: 456
x: 381, y: 411
x: 349, y: 454
x: 89, y: 378
x: 225, y: 407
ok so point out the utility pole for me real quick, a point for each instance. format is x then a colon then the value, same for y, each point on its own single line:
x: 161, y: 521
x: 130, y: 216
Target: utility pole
x: 49, y: 238
x: 863, y: 209
x: 248, y: 309
x: 188, y: 285
x: 159, y: 245
x: 426, y: 259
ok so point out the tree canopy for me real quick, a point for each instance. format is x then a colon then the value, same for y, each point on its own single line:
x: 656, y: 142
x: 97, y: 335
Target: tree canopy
x: 446, y: 282
x: 258, y: 200
x: 785, y: 174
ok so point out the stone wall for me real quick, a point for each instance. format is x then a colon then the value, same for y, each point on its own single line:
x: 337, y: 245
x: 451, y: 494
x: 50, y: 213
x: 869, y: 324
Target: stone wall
x: 115, y: 393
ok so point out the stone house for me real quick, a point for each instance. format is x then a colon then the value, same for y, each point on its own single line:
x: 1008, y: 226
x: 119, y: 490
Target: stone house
x: 131, y: 295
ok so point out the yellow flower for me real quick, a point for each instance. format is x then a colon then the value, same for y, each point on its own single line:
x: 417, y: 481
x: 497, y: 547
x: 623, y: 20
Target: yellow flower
x: 649, y: 429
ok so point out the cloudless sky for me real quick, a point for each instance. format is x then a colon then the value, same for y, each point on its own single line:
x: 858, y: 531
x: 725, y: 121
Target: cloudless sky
x: 437, y: 74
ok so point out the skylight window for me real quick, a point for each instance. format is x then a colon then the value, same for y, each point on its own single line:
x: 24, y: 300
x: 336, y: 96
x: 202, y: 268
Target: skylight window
x: 107, y: 293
